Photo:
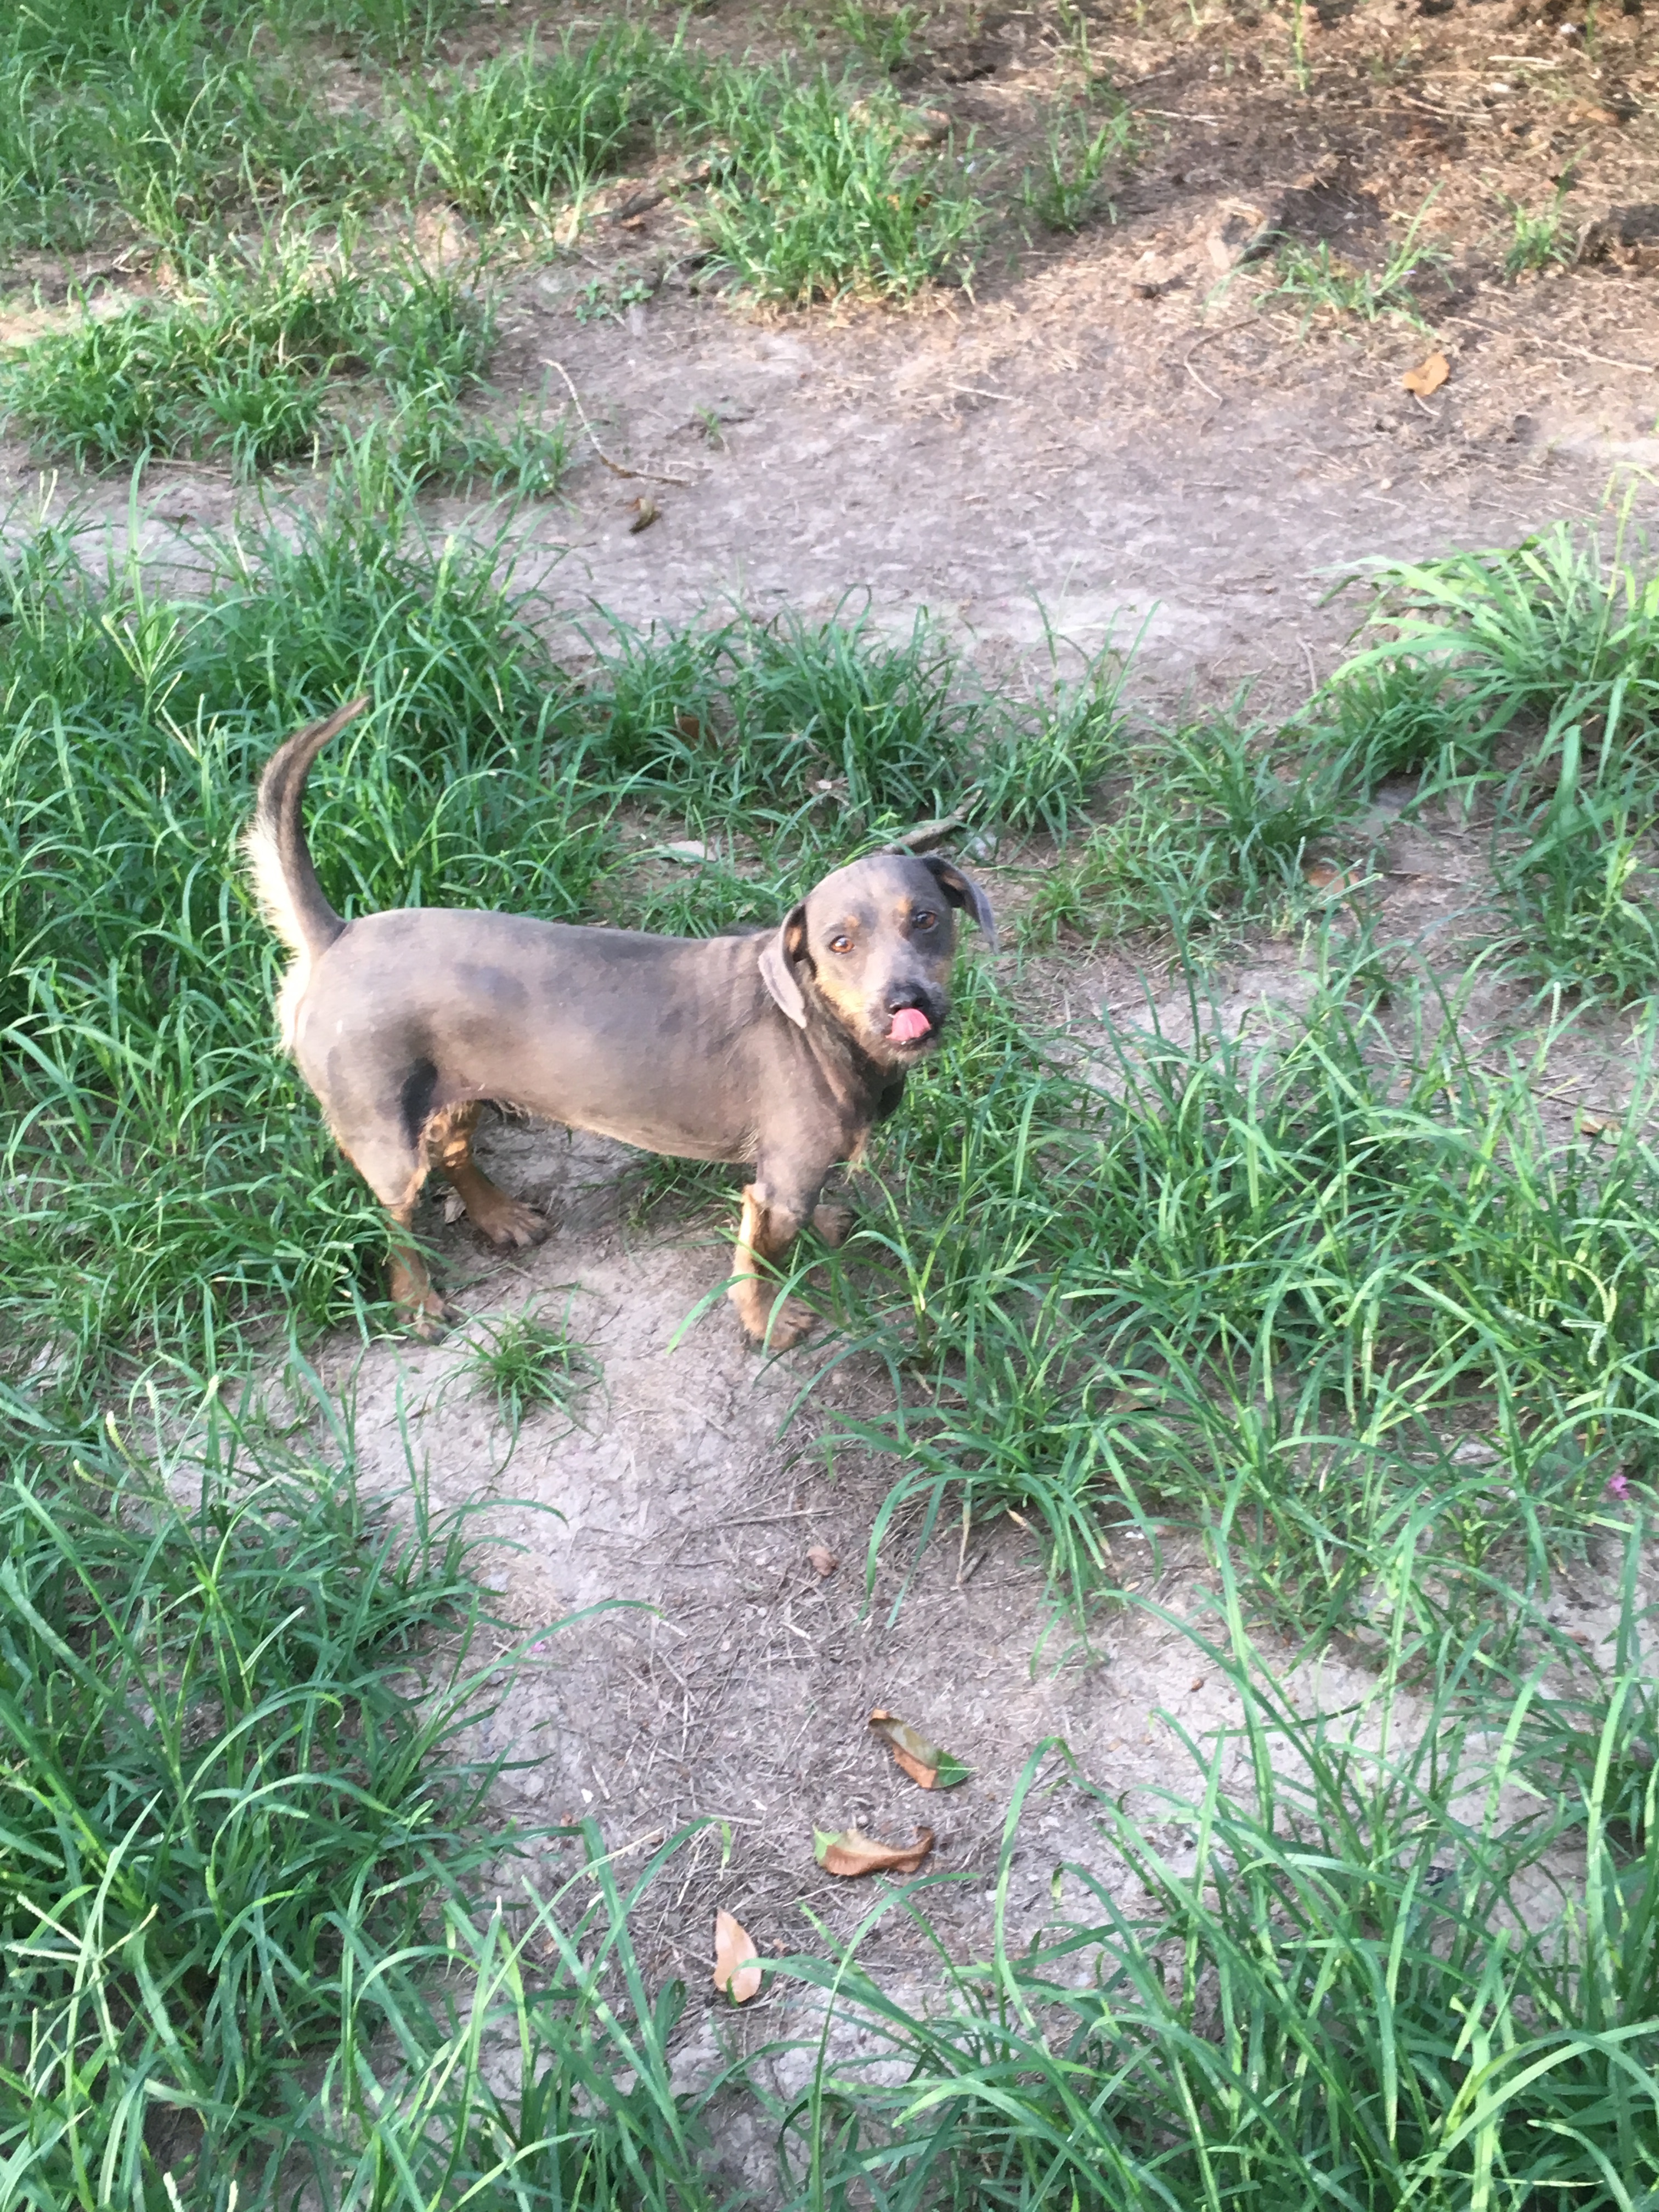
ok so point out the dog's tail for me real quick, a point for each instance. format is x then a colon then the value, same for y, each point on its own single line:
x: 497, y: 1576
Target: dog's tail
x: 284, y: 880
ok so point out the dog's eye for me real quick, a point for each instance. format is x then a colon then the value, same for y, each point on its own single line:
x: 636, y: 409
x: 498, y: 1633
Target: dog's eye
x: 923, y: 920
x: 841, y: 942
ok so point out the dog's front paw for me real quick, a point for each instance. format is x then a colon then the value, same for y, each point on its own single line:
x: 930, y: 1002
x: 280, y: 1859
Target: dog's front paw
x: 771, y: 1323
x: 783, y: 1325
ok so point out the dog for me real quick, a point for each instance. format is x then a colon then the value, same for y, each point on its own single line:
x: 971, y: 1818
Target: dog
x: 781, y: 1049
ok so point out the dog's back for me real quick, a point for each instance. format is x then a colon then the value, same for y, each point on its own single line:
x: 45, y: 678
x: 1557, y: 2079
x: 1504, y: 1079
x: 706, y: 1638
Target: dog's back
x: 654, y: 1040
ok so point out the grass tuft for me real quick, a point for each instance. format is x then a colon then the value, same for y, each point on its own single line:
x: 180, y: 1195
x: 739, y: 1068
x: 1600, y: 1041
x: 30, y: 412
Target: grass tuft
x: 1538, y: 238
x: 1313, y: 277
x: 242, y: 365
x: 528, y: 130
x: 525, y: 1362
x: 890, y: 37
x: 231, y: 1777
x: 1065, y: 190
x: 1113, y: 1276
x: 818, y: 193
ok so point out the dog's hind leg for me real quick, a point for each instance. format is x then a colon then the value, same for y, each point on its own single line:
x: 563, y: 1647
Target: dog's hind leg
x: 509, y: 1224
x: 393, y: 1164
x: 408, y: 1285
x: 834, y: 1224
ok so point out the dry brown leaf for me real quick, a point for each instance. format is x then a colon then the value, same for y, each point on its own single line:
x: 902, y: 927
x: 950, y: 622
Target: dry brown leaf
x: 851, y: 1854
x: 1428, y: 376
x: 922, y: 1761
x: 646, y: 511
x: 736, y: 1968
x: 1595, y: 1125
x: 822, y: 1561
x: 1326, y: 876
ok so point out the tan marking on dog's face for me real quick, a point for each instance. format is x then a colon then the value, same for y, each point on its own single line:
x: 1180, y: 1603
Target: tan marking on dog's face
x: 881, y: 939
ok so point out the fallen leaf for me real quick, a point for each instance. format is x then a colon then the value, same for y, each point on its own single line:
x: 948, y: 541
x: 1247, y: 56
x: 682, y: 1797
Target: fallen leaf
x: 922, y: 1761
x: 851, y: 1854
x: 1595, y: 1125
x: 822, y: 1561
x: 689, y: 726
x: 1428, y: 376
x: 1326, y: 876
x: 736, y: 1968
x: 646, y: 511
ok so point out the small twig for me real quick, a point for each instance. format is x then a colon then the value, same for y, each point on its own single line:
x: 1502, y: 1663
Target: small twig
x: 1221, y: 331
x: 754, y: 1520
x: 1200, y: 382
x: 642, y: 475
x: 922, y: 836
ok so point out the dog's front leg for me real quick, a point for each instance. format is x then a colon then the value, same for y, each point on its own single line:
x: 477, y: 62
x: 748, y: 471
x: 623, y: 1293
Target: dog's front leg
x: 764, y: 1234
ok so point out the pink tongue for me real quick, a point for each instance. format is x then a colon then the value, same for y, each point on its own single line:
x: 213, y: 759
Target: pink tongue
x: 909, y: 1021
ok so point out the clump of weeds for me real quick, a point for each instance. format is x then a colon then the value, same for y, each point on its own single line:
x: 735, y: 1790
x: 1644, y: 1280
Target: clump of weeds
x: 889, y: 37
x: 1066, y: 188
x: 819, y: 192
x: 245, y: 362
x: 525, y: 1363
x: 1314, y: 278
x: 1539, y: 238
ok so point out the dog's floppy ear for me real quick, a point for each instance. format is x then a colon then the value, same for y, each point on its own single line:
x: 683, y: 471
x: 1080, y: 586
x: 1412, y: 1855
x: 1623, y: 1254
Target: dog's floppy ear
x: 777, y: 965
x: 962, y: 890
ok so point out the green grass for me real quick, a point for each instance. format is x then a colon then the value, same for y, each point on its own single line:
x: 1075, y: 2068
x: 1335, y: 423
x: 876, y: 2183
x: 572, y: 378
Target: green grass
x: 169, y: 1178
x: 1065, y: 190
x: 1550, y: 650
x: 1313, y: 277
x: 163, y: 119
x: 1216, y: 824
x: 194, y: 131
x: 221, y: 1791
x: 1331, y: 1292
x: 245, y: 365
x: 818, y: 193
x: 1116, y: 1272
x: 524, y: 1363
x: 244, y: 1849
x: 1403, y: 1947
x: 170, y: 1182
x: 1539, y: 238
x: 889, y: 37
x: 531, y: 131
x: 1562, y: 629
x: 1392, y: 1956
